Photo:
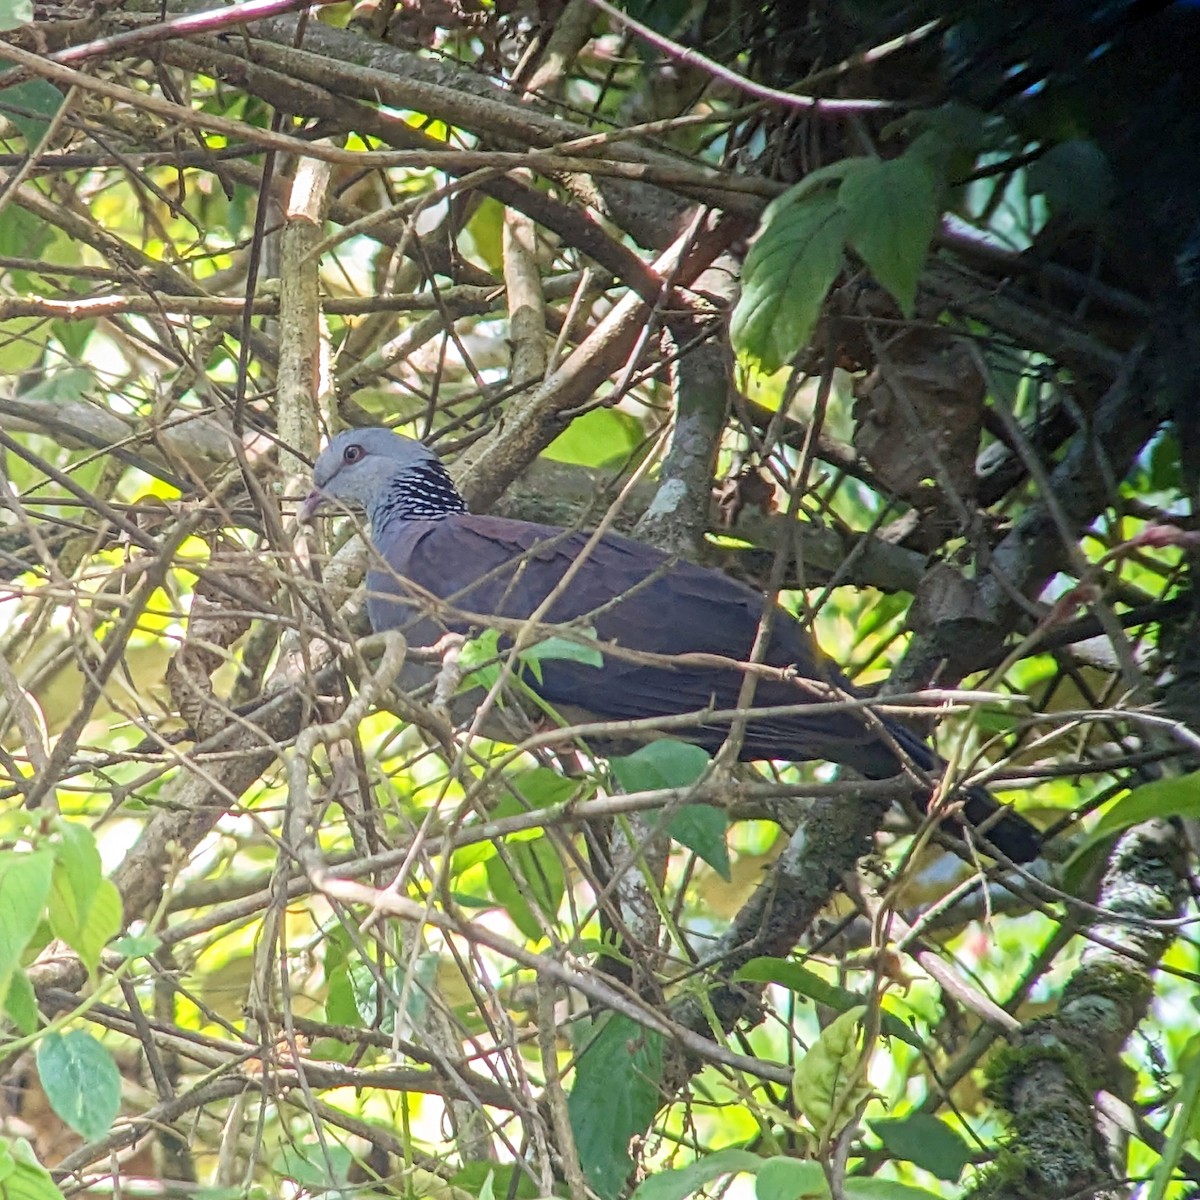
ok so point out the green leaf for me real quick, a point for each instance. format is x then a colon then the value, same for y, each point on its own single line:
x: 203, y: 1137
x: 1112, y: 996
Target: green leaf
x: 375, y: 990
x: 682, y: 1182
x: 29, y: 105
x: 21, y: 233
x: 314, y: 1167
x: 21, y: 1003
x: 27, y: 1179
x: 788, y: 272
x: 925, y: 1140
x: 1177, y: 796
x: 702, y: 828
x: 85, y: 908
x: 614, y: 1098
x: 541, y: 787
x: 892, y: 209
x: 341, y: 1003
x: 600, y: 437
x: 485, y: 231
x: 800, y: 979
x: 74, y: 336
x: 81, y: 1081
x: 791, y: 1179
x: 137, y: 945
x: 1187, y: 1116
x: 665, y: 763
x: 563, y: 648
x: 825, y: 1086
x: 24, y: 888
x: 536, y: 877
x: 507, y: 1180
x: 14, y: 13
x: 479, y: 660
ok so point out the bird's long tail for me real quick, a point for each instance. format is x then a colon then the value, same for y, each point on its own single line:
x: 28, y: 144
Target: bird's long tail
x: 1010, y: 833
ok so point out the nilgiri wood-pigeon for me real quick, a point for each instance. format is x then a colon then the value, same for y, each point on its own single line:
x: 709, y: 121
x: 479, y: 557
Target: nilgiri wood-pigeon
x: 635, y: 598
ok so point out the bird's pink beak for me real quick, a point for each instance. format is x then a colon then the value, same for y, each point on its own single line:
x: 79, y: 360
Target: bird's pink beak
x: 308, y: 508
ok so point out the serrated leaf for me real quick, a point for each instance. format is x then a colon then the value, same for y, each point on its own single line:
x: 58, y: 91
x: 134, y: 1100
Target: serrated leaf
x: 892, y: 211
x: 81, y: 1081
x: 791, y: 1179
x: 827, y: 1086
x: 614, y: 1098
x: 24, y: 889
x: 925, y: 1140
x: 787, y: 274
x: 681, y: 1182
x: 800, y: 979
x: 702, y: 828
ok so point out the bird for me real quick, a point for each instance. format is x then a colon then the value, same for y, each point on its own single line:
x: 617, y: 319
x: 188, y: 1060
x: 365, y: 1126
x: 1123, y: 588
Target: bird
x: 634, y: 598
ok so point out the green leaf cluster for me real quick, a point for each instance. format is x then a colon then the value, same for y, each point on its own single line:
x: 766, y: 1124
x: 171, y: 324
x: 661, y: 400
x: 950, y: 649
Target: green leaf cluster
x: 885, y: 210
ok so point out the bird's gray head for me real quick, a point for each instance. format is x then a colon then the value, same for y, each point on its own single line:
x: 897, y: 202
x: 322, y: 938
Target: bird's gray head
x: 390, y: 476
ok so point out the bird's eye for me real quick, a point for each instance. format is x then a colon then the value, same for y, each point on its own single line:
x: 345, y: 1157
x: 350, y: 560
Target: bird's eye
x: 352, y: 453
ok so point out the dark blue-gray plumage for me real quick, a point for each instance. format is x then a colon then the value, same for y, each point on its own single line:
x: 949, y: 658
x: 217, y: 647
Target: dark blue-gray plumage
x: 632, y: 595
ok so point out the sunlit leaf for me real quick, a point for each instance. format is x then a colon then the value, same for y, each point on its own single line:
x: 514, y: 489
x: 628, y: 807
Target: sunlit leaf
x: 566, y: 650
x: 24, y: 888
x: 787, y: 275
x: 681, y: 1182
x: 828, y: 1085
x: 600, y: 437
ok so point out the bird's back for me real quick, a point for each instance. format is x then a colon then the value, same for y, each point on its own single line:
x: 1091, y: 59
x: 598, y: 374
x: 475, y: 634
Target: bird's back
x: 640, y: 600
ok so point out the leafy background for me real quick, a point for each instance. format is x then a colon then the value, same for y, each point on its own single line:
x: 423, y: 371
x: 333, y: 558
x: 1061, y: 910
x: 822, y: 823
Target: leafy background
x: 921, y: 358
